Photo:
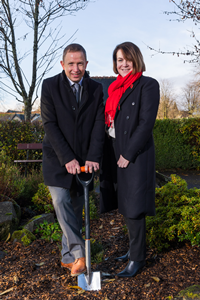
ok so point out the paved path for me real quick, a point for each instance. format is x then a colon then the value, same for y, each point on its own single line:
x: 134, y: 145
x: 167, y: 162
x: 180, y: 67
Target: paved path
x: 192, y: 177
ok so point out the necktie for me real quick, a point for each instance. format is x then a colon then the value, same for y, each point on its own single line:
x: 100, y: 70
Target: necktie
x: 77, y: 93
x: 76, y: 90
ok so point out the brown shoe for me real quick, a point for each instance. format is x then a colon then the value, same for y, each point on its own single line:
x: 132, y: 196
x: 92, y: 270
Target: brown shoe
x: 68, y: 266
x: 78, y: 267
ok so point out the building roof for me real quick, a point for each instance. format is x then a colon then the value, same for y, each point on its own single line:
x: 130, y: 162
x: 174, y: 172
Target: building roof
x: 105, y: 81
x: 18, y: 116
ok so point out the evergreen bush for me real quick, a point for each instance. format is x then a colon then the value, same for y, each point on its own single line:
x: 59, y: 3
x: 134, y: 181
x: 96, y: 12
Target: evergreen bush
x: 177, y: 143
x: 11, y: 183
x: 97, y: 251
x: 42, y: 199
x: 30, y: 188
x: 177, y: 215
x: 15, y: 132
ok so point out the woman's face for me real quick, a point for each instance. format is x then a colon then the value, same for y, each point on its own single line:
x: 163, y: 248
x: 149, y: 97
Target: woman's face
x: 123, y: 66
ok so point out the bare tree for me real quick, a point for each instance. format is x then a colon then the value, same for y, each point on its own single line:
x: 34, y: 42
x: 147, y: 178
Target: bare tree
x: 185, y: 10
x: 18, y: 107
x: 30, y: 21
x: 37, y: 105
x: 168, y: 108
x: 191, y: 98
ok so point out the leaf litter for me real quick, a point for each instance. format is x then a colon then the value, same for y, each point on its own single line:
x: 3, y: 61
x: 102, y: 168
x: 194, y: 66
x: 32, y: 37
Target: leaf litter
x: 176, y: 269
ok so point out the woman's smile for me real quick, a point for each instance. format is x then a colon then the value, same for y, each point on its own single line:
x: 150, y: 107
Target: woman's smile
x: 123, y: 66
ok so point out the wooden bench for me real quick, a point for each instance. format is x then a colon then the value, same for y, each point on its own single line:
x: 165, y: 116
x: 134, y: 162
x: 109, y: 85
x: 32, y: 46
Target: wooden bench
x: 27, y: 147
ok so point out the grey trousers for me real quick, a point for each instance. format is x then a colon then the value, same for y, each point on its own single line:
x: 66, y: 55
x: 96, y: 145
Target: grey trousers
x: 68, y: 208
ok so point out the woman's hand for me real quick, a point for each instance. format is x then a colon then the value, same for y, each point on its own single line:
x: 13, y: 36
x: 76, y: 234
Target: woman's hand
x: 122, y: 162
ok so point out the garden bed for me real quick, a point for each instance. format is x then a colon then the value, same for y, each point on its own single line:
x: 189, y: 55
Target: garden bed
x: 34, y: 272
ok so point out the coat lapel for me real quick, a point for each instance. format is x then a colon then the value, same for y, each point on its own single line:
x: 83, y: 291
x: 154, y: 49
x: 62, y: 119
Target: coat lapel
x: 69, y: 98
x: 126, y: 94
x: 85, y: 93
x: 128, y: 91
x: 85, y: 90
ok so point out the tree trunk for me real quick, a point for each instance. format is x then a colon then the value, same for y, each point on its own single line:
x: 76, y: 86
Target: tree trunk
x: 27, y: 110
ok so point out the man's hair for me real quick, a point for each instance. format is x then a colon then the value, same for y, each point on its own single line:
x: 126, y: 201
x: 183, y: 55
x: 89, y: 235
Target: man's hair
x: 131, y: 53
x: 74, y: 48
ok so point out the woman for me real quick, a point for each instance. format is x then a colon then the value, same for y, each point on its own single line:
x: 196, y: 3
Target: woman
x: 128, y: 167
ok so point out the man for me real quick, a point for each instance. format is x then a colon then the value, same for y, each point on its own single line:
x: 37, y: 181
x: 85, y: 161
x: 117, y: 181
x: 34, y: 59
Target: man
x: 73, y: 118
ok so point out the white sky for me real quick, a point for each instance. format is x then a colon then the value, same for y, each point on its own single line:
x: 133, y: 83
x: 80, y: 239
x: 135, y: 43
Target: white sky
x: 106, y: 23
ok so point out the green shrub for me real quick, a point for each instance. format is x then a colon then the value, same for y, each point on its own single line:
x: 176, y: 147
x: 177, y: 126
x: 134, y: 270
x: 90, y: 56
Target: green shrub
x: 30, y: 188
x: 125, y: 229
x: 96, y: 180
x: 53, y: 232
x: 15, y: 132
x: 11, y: 183
x: 42, y: 199
x: 97, y: 251
x: 190, y: 130
x: 177, y: 142
x: 173, y: 148
x: 92, y: 205
x: 177, y: 215
x: 15, y: 186
x: 49, y: 232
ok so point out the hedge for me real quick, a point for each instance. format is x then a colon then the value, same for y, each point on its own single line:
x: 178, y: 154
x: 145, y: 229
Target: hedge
x: 15, y: 132
x: 177, y: 142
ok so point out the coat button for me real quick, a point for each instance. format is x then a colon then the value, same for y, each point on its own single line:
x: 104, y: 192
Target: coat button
x: 127, y: 117
x: 133, y: 103
x: 73, y: 108
x: 125, y: 132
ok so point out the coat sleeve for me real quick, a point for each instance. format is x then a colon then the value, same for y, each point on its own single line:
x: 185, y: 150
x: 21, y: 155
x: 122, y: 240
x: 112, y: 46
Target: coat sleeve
x: 149, y: 102
x: 52, y: 130
x: 98, y: 132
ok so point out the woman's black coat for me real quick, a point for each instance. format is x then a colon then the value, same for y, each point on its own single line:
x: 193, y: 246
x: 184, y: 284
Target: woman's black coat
x: 134, y: 122
x: 70, y: 131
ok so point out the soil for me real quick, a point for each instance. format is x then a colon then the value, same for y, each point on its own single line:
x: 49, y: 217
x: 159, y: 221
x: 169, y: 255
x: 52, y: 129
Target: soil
x: 34, y: 272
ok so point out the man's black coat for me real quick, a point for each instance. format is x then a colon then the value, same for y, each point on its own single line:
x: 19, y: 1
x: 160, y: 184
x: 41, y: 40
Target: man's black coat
x: 70, y: 131
x: 134, y: 122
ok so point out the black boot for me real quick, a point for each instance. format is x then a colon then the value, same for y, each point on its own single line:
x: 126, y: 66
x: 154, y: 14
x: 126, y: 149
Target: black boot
x: 124, y: 258
x: 132, y: 268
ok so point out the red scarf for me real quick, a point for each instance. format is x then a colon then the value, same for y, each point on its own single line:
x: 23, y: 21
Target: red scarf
x: 115, y: 92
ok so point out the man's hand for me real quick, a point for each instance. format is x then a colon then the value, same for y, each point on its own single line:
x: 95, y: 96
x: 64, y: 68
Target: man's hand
x: 73, y: 166
x: 91, y: 164
x: 122, y: 162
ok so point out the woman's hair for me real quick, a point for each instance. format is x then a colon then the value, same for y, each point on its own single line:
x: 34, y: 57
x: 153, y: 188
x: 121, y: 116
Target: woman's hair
x: 131, y: 53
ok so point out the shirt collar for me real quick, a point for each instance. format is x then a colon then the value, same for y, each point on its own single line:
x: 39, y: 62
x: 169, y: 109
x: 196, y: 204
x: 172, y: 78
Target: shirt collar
x: 72, y: 83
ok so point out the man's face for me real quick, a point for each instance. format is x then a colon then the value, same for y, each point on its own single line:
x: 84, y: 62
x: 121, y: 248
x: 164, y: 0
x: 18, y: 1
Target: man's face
x: 74, y: 65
